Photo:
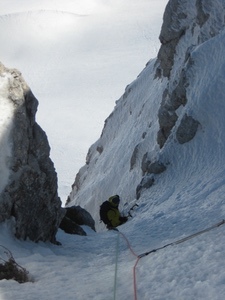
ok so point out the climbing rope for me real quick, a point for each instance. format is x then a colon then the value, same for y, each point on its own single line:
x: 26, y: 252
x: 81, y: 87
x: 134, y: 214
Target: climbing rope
x: 184, y: 239
x: 134, y: 268
x: 116, y: 264
x: 138, y: 257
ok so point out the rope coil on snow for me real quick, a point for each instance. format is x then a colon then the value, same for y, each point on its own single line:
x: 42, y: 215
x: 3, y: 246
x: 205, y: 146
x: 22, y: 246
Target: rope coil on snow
x: 138, y: 257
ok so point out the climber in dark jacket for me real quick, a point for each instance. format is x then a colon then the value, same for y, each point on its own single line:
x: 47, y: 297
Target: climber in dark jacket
x: 113, y: 215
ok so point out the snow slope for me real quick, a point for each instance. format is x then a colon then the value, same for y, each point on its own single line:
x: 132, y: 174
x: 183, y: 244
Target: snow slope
x: 77, y: 57
x: 133, y: 126
x: 84, y: 267
x: 185, y: 199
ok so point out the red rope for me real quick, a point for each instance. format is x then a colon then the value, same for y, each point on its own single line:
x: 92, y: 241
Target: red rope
x: 154, y: 250
x: 128, y: 244
x: 134, y: 268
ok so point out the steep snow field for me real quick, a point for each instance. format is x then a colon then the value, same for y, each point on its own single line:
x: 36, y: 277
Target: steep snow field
x: 77, y: 57
x: 187, y: 198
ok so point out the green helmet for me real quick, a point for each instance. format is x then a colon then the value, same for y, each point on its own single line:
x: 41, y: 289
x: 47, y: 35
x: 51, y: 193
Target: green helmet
x: 114, y: 200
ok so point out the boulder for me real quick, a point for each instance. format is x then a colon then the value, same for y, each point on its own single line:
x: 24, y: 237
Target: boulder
x: 76, y: 216
x: 187, y: 129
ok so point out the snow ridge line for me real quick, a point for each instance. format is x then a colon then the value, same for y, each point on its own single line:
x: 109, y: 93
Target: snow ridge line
x: 155, y: 250
x: 42, y: 11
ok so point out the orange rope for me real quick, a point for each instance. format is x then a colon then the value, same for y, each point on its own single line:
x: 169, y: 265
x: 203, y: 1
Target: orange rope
x: 134, y: 268
x: 134, y: 278
x: 154, y: 250
x: 128, y: 244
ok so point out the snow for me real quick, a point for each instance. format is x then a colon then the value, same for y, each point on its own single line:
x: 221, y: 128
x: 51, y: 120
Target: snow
x: 7, y: 110
x: 185, y: 200
x: 84, y: 267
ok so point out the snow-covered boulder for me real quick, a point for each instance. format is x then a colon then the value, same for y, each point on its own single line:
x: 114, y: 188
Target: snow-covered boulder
x: 28, y: 181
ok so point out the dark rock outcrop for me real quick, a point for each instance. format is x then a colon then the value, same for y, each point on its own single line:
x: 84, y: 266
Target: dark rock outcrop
x: 187, y: 129
x: 71, y: 227
x: 179, y: 25
x: 146, y: 182
x: 149, y: 167
x: 76, y: 216
x: 29, y: 193
x: 176, y: 16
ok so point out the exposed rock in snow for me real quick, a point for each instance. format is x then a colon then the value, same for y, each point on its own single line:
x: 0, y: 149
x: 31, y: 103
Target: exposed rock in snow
x: 186, y: 24
x: 75, y: 217
x: 187, y: 129
x: 146, y: 182
x: 175, y: 23
x: 29, y: 189
x: 80, y: 216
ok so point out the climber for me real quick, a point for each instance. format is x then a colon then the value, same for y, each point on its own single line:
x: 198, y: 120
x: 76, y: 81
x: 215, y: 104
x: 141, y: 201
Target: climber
x: 109, y: 213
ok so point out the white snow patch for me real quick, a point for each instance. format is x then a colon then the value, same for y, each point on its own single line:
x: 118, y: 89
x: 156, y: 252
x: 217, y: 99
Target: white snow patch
x: 6, y: 117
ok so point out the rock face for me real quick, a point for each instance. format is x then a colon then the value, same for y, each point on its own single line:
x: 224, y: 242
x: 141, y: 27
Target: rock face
x: 183, y: 20
x: 29, y: 191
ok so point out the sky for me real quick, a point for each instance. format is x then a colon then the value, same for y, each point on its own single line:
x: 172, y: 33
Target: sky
x: 77, y: 57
